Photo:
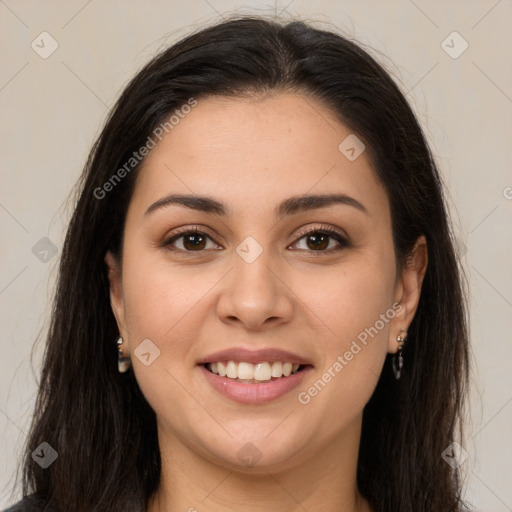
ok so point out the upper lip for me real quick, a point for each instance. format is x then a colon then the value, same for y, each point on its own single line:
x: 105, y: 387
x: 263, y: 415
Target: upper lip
x: 254, y: 356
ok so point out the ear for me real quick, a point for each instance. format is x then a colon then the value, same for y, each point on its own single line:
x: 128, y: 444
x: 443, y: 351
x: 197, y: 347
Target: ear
x: 408, y: 291
x: 116, y: 292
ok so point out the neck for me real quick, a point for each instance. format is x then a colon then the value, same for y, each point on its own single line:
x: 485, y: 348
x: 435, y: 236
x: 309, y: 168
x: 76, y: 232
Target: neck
x: 327, y: 482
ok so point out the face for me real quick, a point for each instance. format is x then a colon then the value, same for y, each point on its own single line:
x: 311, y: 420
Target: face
x: 261, y: 279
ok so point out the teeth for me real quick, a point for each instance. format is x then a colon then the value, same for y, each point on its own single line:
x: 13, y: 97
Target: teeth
x: 232, y: 370
x: 245, y: 371
x: 263, y: 371
x: 277, y: 369
x: 221, y: 368
x: 287, y: 369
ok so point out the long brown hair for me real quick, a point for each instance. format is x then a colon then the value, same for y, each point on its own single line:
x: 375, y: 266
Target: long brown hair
x: 98, y: 420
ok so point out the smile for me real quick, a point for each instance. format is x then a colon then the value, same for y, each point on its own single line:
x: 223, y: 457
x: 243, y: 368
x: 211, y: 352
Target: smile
x: 250, y: 383
x: 253, y: 373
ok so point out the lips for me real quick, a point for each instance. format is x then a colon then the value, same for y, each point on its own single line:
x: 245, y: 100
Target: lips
x: 254, y: 376
x: 240, y: 354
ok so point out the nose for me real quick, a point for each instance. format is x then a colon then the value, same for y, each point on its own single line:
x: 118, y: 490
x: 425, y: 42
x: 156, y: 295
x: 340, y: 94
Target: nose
x: 255, y: 294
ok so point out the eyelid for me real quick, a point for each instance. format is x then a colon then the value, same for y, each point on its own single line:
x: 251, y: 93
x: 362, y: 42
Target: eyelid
x: 189, y: 229
x: 324, y: 228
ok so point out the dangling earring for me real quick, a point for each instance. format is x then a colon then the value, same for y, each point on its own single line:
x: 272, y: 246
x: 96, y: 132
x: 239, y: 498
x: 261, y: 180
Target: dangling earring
x: 123, y: 362
x: 398, y: 356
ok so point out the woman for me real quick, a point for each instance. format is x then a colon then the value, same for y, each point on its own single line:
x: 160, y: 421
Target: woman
x: 259, y: 305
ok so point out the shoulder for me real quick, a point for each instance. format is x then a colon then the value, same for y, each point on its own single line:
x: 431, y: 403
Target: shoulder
x: 30, y: 503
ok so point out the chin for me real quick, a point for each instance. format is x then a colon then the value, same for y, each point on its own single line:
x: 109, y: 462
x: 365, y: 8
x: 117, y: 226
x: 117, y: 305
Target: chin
x: 258, y: 454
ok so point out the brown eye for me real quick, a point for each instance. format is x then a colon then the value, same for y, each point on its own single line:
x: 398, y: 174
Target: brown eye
x: 316, y: 240
x: 319, y: 240
x: 191, y: 240
x: 194, y: 241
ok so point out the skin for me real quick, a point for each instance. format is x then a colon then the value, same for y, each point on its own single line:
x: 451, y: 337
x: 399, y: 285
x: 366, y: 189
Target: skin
x: 251, y: 154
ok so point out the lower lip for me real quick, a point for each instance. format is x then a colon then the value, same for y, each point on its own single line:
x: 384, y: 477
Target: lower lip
x: 258, y: 393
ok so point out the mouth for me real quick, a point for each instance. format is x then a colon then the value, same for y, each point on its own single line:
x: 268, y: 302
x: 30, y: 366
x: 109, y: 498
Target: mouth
x: 249, y: 373
x: 254, y: 383
x: 251, y: 376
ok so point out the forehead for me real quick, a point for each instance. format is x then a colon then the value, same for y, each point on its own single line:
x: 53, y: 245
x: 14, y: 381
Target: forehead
x: 256, y: 152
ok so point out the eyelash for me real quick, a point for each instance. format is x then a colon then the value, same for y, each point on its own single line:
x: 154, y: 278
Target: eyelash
x: 188, y: 230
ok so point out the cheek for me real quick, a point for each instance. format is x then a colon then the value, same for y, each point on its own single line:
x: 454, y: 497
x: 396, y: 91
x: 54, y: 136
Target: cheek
x: 159, y: 306
x: 355, y: 306
x: 352, y: 297
x: 159, y: 296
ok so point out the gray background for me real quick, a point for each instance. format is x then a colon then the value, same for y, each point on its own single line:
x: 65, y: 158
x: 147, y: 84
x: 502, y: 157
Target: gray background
x: 54, y: 107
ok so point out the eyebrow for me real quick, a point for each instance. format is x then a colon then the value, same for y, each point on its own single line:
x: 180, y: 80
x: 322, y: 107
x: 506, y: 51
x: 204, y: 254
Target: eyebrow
x: 289, y: 206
